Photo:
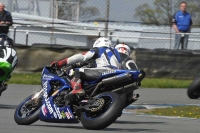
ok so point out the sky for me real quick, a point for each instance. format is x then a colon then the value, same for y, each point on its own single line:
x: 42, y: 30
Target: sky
x: 120, y: 10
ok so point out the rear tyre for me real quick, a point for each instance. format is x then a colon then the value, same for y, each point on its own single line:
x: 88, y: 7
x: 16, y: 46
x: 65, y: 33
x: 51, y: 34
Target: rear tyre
x: 106, y: 116
x: 26, y: 114
x: 193, y: 91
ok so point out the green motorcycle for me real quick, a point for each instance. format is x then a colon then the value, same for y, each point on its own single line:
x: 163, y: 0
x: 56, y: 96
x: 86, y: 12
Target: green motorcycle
x: 8, y: 60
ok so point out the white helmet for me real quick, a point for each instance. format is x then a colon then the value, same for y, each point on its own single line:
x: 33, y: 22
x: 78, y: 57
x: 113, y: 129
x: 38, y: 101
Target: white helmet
x: 123, y: 48
x: 102, y: 42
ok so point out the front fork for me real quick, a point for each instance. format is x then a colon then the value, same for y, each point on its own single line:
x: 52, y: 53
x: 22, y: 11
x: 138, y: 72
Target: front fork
x: 37, y: 96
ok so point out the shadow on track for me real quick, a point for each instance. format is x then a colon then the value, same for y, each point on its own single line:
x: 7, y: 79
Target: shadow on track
x: 4, y: 106
x: 106, y: 129
x: 61, y: 126
x: 130, y: 130
x: 132, y: 122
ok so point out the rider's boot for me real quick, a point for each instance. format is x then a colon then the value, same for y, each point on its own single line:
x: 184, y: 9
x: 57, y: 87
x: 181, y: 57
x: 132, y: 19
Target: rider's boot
x: 77, y: 90
x: 3, y: 87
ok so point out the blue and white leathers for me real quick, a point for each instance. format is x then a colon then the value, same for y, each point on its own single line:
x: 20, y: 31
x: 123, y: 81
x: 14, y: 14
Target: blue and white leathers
x: 104, y: 57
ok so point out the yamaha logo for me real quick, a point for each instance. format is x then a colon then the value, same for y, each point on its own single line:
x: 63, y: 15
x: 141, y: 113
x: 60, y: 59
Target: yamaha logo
x: 108, y: 72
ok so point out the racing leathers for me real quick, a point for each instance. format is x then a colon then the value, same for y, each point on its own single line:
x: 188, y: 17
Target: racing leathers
x: 8, y: 61
x: 127, y: 62
x: 104, y: 59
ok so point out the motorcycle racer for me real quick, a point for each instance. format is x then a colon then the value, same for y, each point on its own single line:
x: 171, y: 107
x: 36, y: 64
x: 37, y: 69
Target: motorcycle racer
x: 8, y: 60
x: 127, y: 62
x: 105, y: 58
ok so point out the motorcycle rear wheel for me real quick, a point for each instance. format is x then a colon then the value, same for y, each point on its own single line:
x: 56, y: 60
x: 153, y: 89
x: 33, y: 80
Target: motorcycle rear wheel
x: 193, y: 91
x: 106, y: 116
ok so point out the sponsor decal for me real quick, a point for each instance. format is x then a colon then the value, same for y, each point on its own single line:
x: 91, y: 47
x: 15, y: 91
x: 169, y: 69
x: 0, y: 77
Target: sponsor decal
x: 46, y: 98
x: 180, y: 16
x: 54, y: 114
x: 85, y: 83
x: 103, y: 88
x: 57, y: 112
x: 97, y: 42
x: 108, y: 72
x: 47, y: 77
x: 63, y: 114
x: 84, y: 101
x: 44, y: 110
x: 68, y: 114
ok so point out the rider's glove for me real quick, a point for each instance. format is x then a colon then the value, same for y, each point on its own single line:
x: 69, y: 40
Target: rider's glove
x: 77, y: 65
x: 71, y: 72
x: 54, y: 64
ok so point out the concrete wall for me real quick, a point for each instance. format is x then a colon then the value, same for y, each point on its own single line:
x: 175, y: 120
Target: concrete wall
x: 156, y: 63
x: 33, y: 59
x: 169, y: 63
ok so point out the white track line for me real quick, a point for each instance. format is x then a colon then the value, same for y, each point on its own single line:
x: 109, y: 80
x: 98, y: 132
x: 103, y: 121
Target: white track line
x: 158, y: 116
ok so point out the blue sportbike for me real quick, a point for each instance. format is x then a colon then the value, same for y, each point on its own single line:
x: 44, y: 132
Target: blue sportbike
x: 104, y: 100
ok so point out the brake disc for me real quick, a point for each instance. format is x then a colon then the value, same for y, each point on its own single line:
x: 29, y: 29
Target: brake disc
x: 26, y: 108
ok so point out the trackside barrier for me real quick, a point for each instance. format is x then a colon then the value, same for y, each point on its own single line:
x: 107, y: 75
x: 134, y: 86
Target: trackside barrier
x: 156, y: 63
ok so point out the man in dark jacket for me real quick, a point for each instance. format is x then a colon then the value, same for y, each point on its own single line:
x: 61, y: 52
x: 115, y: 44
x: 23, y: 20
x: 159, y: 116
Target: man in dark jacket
x: 5, y: 19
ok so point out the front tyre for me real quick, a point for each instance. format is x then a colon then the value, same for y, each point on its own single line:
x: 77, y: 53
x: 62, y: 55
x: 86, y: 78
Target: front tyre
x: 27, y: 112
x: 106, y: 115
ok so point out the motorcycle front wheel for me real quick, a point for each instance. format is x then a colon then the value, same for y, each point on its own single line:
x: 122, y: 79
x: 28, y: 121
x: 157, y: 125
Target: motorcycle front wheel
x: 27, y: 112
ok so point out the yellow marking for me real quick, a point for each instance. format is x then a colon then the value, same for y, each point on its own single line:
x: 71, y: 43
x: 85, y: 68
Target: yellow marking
x: 96, y: 23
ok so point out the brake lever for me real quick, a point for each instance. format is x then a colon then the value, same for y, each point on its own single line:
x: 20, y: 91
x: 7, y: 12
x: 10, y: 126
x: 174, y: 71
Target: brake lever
x: 61, y: 74
x: 67, y: 68
x: 63, y: 70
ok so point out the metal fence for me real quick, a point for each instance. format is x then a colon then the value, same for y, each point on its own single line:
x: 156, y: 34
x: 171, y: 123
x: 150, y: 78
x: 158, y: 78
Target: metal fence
x: 140, y: 23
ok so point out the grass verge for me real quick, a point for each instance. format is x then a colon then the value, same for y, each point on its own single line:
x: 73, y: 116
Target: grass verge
x: 180, y: 111
x: 25, y: 78
x: 34, y: 78
x: 165, y: 83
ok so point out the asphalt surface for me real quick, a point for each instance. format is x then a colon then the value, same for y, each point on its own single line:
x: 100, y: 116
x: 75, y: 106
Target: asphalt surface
x: 164, y: 96
x: 126, y: 123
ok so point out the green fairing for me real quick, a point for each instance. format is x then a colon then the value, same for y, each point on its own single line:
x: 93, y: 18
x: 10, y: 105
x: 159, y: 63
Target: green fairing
x: 7, y: 68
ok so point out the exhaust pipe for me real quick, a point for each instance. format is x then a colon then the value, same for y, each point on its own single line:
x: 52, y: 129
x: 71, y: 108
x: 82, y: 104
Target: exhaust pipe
x: 113, y: 80
x: 127, y: 88
x: 117, y: 79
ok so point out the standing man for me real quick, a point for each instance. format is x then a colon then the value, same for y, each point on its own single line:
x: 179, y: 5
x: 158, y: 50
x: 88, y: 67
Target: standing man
x: 5, y: 19
x: 182, y: 22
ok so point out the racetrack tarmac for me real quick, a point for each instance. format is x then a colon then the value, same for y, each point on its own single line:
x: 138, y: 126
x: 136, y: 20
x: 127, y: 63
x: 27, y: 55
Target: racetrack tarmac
x: 126, y: 123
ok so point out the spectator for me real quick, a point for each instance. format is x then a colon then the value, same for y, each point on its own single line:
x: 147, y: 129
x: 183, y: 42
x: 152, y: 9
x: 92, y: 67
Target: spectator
x: 5, y: 19
x: 182, y: 22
